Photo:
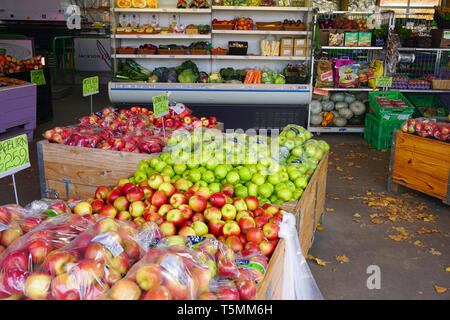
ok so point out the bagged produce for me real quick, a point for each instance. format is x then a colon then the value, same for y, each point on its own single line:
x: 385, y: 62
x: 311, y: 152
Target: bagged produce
x: 324, y: 74
x: 375, y: 70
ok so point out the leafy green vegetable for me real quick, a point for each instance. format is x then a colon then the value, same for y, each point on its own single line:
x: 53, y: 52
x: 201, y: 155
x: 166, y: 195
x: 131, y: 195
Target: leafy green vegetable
x: 187, y: 76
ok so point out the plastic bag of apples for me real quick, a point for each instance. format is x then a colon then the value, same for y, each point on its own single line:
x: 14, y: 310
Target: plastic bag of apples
x: 16, y: 221
x: 186, y: 268
x: 72, y: 259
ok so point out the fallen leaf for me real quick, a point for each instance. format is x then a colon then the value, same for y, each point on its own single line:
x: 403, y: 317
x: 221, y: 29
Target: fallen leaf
x: 435, y: 252
x: 383, y: 151
x: 320, y: 262
x: 350, y: 164
x: 426, y: 230
x: 396, y: 237
x: 373, y: 215
x: 329, y: 209
x: 338, y: 168
x: 418, y: 243
x: 440, y: 289
x: 330, y: 163
x: 334, y: 270
x: 350, y: 198
x: 336, y: 198
x: 369, y: 193
x: 336, y: 159
x: 342, y: 258
x: 377, y: 221
x: 447, y: 269
x: 357, y: 215
x: 420, y: 292
x: 320, y: 228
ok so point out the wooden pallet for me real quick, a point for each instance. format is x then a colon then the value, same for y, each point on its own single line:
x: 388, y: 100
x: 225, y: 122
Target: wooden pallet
x: 419, y: 163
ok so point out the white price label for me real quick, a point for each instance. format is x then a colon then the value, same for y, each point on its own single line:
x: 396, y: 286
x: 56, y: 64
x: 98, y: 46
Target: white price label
x: 386, y: 116
x: 109, y: 242
x: 403, y: 117
x: 173, y: 266
x: 178, y: 108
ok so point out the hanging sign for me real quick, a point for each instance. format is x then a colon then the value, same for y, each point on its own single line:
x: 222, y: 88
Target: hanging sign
x: 14, y: 155
x: 160, y: 105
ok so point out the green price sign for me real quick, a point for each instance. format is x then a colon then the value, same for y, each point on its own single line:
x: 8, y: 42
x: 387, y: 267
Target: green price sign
x: 2, y: 51
x: 160, y: 105
x: 14, y: 155
x: 90, y: 86
x: 37, y: 77
x: 383, y: 82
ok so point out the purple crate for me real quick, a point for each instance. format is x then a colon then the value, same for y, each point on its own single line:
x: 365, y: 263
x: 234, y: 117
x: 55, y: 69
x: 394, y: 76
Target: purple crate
x: 18, y: 107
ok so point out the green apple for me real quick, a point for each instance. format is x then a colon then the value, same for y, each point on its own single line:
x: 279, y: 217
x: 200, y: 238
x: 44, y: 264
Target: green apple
x: 174, y: 178
x: 214, y: 187
x: 245, y: 174
x: 290, y: 144
x: 301, y: 182
x: 291, y: 134
x: 154, y: 161
x: 132, y: 180
x: 273, y: 198
x: 296, y: 195
x: 252, y: 168
x: 297, y: 151
x: 201, y: 183
x: 229, y: 167
x: 233, y: 177
x: 294, y: 174
x: 241, y: 191
x: 252, y: 189
x: 208, y: 176
x: 150, y: 171
x: 250, y: 159
x: 192, y: 163
x: 299, y: 140
x: 284, y: 176
x: 160, y: 166
x: 186, y: 174
x: 195, y: 175
x: 202, y: 169
x: 274, y: 179
x: 140, y: 175
x: 258, y: 179
x: 302, y: 168
x: 265, y: 190
x: 212, y: 163
x: 144, y: 164
x: 282, y: 140
x: 166, y: 157
x: 290, y: 185
x: 284, y: 194
x: 280, y: 186
x: 220, y: 171
x: 169, y: 171
x: 179, y: 168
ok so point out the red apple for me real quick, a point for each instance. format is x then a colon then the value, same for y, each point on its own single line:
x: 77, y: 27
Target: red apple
x: 149, y: 276
x: 186, y: 210
x: 38, y: 250
x: 258, y: 211
x: 198, y: 217
x: 121, y: 203
x: 29, y: 224
x: 159, y: 198
x: 226, y: 268
x: 231, y: 228
x: 167, y: 188
x: 65, y: 287
x: 175, y: 216
x: 234, y: 242
x: 124, y: 216
x: 105, y: 225
x: 109, y: 210
x: 182, y: 184
x: 197, y: 203
x: 132, y: 249
x: 255, y: 235
x: 102, y: 193
x: 9, y: 235
x: 228, y: 212
x: 247, y: 289
x: 121, y: 263
x: 271, y: 230
x: 204, y: 192
x: 246, y: 223
x: 252, y: 203
x: 135, y: 194
x: 168, y: 228
x: 218, y: 199
x: 127, y: 187
x: 212, y: 213
x: 148, y: 192
x: 178, y: 199
x: 261, y: 221
x: 125, y: 289
x: 266, y: 247
x: 137, y: 208
x: 37, y: 286
x: 83, y: 207
x: 164, y: 209
x: 14, y: 280
x: 158, y: 293
x: 5, y: 216
x: 216, y: 227
x: 186, y: 231
x: 228, y: 189
x: 113, y: 195
x: 97, y: 205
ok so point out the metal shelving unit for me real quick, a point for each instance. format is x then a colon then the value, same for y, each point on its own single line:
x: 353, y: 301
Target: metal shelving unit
x: 219, y: 93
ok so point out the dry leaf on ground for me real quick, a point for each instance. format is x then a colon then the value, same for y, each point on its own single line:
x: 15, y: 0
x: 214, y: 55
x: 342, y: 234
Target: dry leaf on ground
x: 320, y: 228
x: 447, y: 269
x: 418, y: 243
x: 342, y: 258
x: 377, y: 221
x: 338, y: 168
x: 334, y: 270
x: 435, y: 252
x: 440, y: 289
x: 329, y: 209
x: 320, y: 262
x: 357, y: 215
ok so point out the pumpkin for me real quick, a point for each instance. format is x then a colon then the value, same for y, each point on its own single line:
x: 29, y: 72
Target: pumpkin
x: 349, y: 98
x: 124, y: 3
x: 340, y: 122
x: 358, y: 107
x: 346, y: 113
x: 316, y: 106
x: 139, y: 3
x: 316, y: 119
x: 327, y: 105
x: 337, y: 97
x: 340, y: 105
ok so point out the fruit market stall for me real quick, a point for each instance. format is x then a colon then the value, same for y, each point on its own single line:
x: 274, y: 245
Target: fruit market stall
x: 420, y: 157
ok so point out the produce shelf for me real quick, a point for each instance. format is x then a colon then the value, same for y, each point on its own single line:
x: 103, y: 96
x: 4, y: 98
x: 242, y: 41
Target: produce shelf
x: 350, y: 129
x: 260, y: 32
x: 160, y: 56
x: 351, y: 48
x: 420, y: 90
x: 423, y: 49
x: 161, y: 36
x: 349, y: 89
x: 162, y: 10
x: 217, y: 93
x: 249, y: 8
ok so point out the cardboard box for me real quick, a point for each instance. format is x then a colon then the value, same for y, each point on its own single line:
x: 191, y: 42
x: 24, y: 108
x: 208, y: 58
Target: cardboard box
x: 300, y: 52
x: 364, y: 39
x: 441, y: 38
x: 286, y: 52
x: 324, y: 35
x: 300, y: 43
x: 351, y: 39
x: 287, y: 42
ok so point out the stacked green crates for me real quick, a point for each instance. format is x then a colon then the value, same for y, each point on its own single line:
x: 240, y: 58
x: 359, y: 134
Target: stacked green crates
x: 427, y: 100
x: 383, y: 121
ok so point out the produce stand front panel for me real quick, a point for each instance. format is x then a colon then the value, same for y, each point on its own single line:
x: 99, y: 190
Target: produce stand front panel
x: 421, y: 164
x: 76, y: 172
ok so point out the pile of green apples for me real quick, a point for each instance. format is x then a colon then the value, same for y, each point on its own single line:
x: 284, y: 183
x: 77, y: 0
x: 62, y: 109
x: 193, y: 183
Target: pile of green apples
x: 241, y: 161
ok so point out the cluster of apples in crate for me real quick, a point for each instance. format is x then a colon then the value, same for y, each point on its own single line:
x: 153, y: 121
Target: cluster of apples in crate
x: 134, y: 130
x: 424, y: 127
x: 9, y: 64
x: 180, y: 207
x: 70, y: 257
x: 16, y: 221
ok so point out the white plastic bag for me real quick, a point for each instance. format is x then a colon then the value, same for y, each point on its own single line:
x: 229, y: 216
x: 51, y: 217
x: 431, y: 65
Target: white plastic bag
x: 298, y: 281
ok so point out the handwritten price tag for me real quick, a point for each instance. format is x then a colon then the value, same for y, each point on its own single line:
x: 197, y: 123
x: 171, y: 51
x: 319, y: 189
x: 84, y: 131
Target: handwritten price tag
x: 90, y: 86
x: 14, y: 155
x: 383, y: 82
x: 37, y: 77
x: 160, y: 105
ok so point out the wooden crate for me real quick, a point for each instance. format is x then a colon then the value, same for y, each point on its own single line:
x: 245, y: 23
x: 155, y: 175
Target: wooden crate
x: 421, y: 164
x: 308, y: 211
x: 79, y: 171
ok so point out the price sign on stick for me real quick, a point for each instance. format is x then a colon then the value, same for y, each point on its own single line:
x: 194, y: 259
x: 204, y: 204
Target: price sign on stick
x: 90, y: 87
x: 160, y: 105
x: 37, y: 77
x: 14, y: 157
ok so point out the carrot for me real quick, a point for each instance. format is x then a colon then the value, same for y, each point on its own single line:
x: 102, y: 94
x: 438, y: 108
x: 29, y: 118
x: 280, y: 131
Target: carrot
x: 258, y: 76
x: 251, y: 75
x: 247, y: 75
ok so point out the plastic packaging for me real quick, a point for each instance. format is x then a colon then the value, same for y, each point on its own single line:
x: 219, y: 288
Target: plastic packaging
x: 298, y: 281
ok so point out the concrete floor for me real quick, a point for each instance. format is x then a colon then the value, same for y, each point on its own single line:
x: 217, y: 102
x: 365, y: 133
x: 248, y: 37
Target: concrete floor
x: 407, y: 271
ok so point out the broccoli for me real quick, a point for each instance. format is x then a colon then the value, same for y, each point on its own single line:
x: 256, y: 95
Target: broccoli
x: 239, y: 75
x: 227, y: 73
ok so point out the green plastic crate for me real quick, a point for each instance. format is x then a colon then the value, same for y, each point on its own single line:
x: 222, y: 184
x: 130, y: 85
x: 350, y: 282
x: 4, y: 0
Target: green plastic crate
x: 378, y: 133
x: 427, y: 100
x: 390, y: 114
